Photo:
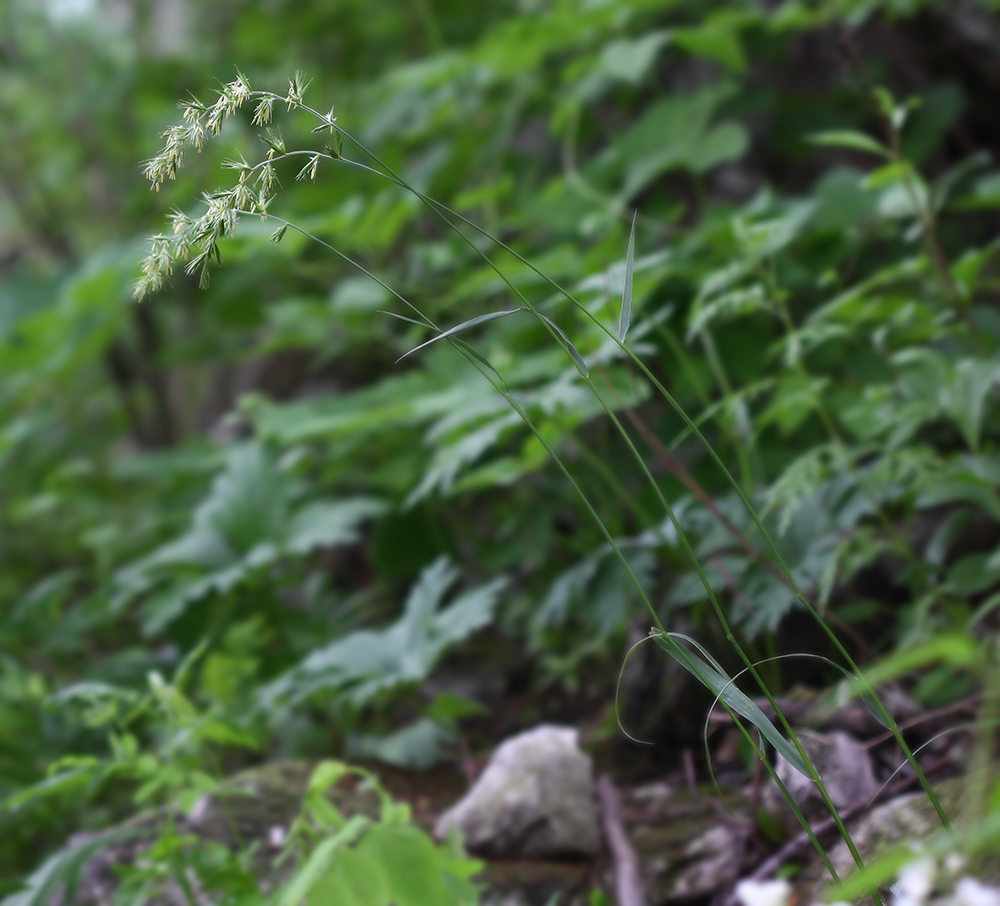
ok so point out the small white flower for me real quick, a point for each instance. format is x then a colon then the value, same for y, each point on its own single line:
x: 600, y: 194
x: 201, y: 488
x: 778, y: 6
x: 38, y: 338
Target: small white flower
x: 916, y: 881
x: 765, y: 893
x: 970, y: 892
x: 954, y: 863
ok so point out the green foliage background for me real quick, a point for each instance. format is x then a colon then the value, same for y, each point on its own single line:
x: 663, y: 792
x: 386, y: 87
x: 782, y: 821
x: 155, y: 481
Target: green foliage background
x: 244, y: 479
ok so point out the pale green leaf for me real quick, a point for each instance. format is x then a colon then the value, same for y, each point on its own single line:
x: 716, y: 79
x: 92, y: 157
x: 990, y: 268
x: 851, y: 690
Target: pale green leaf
x: 412, y: 865
x: 320, y: 859
x: 846, y: 138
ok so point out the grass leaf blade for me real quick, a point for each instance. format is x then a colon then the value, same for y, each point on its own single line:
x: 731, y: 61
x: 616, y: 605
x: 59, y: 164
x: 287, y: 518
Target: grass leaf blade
x: 626, y: 313
x: 458, y: 328
x: 581, y: 365
x: 738, y: 701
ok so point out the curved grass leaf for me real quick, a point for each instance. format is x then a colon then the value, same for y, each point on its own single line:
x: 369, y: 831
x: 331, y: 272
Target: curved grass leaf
x: 393, y: 314
x: 845, y: 138
x: 625, y: 319
x: 581, y: 365
x: 465, y: 325
x: 708, y: 672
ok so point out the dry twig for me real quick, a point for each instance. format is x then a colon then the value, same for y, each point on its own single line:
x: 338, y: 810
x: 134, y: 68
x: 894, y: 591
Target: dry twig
x: 628, y: 880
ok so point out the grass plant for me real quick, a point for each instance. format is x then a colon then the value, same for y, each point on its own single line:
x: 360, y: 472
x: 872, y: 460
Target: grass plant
x: 197, y: 241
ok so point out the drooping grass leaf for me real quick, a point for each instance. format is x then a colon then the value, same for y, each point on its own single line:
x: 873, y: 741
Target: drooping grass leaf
x: 708, y: 672
x: 625, y: 319
x: 581, y: 365
x: 846, y: 138
x: 458, y: 328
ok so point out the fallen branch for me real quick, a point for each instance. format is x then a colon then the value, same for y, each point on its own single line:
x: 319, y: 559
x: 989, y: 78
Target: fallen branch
x: 628, y: 880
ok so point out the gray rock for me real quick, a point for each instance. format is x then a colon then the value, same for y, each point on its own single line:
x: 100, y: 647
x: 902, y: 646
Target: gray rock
x: 535, y: 798
x: 710, y: 861
x: 843, y: 763
x: 908, y: 817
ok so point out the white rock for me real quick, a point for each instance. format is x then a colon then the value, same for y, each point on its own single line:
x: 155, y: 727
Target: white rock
x: 535, y: 798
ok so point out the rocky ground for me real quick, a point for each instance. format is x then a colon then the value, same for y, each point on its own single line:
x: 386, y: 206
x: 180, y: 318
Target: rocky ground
x: 548, y: 827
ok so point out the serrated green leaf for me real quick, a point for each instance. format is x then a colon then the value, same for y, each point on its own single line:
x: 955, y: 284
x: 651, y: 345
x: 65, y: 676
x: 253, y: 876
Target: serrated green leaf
x: 368, y: 662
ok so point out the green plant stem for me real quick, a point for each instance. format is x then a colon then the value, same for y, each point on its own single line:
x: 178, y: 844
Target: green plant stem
x: 718, y: 369
x: 600, y: 466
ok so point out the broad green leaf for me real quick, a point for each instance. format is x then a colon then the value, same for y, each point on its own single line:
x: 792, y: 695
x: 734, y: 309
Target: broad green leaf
x: 945, y: 184
x: 956, y: 485
x: 354, y: 878
x: 325, y: 775
x: 418, y: 745
x: 366, y: 663
x: 716, y: 41
x: 246, y: 524
x: 985, y: 193
x: 971, y: 574
x: 249, y: 500
x: 677, y: 133
x: 412, y: 865
x: 319, y: 861
x: 726, y: 306
x: 227, y: 734
x: 331, y: 888
x: 966, y: 395
x: 795, y: 398
x: 629, y: 60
